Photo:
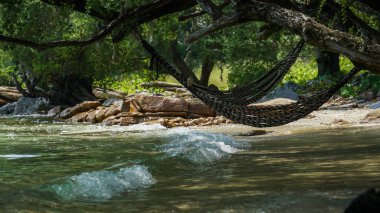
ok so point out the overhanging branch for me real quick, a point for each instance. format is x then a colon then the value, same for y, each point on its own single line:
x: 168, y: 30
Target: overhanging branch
x: 134, y: 16
x: 361, y: 53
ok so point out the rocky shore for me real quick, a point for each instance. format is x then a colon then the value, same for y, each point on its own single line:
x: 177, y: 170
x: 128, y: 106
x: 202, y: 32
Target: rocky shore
x: 115, y: 108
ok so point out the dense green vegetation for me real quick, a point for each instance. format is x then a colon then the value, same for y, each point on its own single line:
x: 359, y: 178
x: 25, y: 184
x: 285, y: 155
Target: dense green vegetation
x: 234, y: 55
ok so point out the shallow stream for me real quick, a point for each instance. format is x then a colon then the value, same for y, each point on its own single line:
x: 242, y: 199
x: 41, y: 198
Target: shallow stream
x: 56, y: 167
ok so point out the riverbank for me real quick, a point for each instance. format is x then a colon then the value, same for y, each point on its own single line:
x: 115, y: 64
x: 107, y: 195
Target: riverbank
x: 328, y: 118
x: 182, y: 110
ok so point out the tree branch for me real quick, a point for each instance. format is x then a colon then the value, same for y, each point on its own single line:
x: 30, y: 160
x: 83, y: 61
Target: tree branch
x: 202, y: 12
x: 131, y: 17
x: 210, y: 8
x: 361, y: 53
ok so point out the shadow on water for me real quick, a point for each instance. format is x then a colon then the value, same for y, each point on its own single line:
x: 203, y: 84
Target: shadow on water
x: 48, y: 166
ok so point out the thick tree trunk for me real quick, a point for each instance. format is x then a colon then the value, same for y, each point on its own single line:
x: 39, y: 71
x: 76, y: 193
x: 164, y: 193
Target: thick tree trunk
x: 328, y: 63
x: 207, y: 66
x: 70, y: 90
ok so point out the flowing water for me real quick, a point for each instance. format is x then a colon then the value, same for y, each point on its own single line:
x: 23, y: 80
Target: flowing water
x: 56, y: 167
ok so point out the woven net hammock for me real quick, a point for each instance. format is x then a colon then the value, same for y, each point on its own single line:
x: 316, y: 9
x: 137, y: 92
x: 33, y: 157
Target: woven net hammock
x: 257, y: 116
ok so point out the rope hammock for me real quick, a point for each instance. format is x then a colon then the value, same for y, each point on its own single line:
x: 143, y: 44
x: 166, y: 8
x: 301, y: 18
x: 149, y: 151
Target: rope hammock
x: 254, y: 91
x: 257, y: 116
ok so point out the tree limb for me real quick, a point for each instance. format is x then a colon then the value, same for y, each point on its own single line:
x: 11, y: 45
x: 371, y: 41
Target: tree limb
x: 202, y: 12
x: 210, y: 8
x: 131, y: 17
x: 361, y: 53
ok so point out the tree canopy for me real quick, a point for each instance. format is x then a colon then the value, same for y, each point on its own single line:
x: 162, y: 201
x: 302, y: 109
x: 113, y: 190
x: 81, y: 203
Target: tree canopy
x: 97, y: 42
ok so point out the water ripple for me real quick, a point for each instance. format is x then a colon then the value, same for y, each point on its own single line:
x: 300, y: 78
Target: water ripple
x: 103, y: 185
x: 199, y: 147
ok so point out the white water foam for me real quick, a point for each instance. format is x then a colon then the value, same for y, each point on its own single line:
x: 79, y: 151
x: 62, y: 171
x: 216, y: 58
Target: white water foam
x: 199, y: 147
x: 88, y: 129
x: 103, y: 185
x: 18, y: 156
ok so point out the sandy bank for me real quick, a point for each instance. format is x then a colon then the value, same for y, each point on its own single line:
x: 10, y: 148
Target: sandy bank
x: 317, y: 120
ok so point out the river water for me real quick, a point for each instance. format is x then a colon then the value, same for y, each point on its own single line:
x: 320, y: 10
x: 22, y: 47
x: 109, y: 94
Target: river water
x: 56, y: 167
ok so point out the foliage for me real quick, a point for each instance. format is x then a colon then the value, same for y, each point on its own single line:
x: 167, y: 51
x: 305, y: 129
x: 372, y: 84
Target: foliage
x: 129, y: 82
x: 302, y: 72
x: 100, y: 61
x: 6, y: 68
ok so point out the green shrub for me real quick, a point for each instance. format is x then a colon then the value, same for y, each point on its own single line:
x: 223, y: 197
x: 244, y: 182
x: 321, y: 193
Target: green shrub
x: 302, y: 72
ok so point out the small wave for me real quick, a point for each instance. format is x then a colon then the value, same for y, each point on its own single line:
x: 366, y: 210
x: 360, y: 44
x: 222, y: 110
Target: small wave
x: 17, y: 156
x: 103, y: 185
x: 200, y: 147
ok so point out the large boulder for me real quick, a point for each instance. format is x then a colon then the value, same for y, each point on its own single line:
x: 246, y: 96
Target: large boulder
x: 82, y: 107
x: 80, y: 117
x: 111, y: 111
x: 197, y: 108
x: 27, y: 106
x: 162, y: 104
x: 10, y: 93
x: 8, y: 109
x: 122, y: 106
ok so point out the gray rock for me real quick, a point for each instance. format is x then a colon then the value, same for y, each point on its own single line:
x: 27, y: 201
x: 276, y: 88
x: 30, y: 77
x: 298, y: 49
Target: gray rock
x: 55, y: 111
x: 27, y: 106
x: 8, y: 109
x: 66, y: 113
x: 121, y: 105
x: 110, y: 101
x: 280, y: 92
x: 375, y: 105
x: 293, y: 86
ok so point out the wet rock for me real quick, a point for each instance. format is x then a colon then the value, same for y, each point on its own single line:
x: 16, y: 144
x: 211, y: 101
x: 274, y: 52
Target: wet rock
x: 251, y: 133
x: 27, y: 106
x: 162, y: 104
x: 110, y: 101
x: 54, y: 111
x: 8, y: 109
x: 198, y: 108
x: 82, y: 107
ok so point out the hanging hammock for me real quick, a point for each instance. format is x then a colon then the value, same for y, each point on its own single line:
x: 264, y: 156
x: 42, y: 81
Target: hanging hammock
x: 254, y: 91
x: 257, y: 116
